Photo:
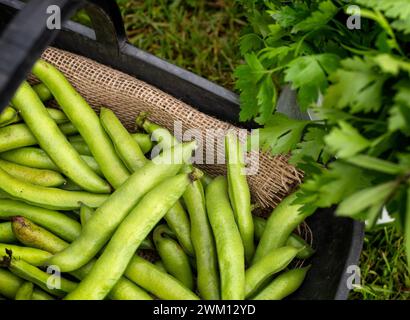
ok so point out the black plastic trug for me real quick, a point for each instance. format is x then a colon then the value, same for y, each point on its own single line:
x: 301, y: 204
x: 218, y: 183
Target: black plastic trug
x: 22, y: 42
x: 27, y: 35
x: 338, y: 241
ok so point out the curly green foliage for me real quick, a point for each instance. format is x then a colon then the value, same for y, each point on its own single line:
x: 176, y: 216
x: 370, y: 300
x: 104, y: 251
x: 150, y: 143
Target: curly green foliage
x: 356, y: 153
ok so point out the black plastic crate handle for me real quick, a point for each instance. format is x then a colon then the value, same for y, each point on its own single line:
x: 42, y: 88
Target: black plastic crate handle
x: 27, y: 35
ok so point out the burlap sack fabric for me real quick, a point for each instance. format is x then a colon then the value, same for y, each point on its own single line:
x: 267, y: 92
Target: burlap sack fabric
x: 127, y: 96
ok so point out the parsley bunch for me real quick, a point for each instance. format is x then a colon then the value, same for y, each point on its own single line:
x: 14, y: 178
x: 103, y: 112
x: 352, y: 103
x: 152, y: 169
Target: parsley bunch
x: 356, y: 153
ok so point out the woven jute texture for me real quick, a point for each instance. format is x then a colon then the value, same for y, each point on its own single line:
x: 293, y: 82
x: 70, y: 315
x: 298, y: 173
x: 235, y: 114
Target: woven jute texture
x: 127, y: 96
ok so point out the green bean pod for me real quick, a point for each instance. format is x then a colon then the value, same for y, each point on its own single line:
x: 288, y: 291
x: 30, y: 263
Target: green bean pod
x: 76, y: 138
x: 127, y: 148
x: 38, y: 158
x: 85, y: 119
x: 85, y: 214
x: 25, y: 292
x: 41, y: 177
x: 162, y: 136
x: 6, y: 233
x: 98, y: 230
x: 176, y: 218
x: 54, y: 221
x: 41, y: 295
x: 33, y: 274
x: 10, y: 283
x: 259, y: 226
x: 8, y: 116
x: 205, y: 180
x: 159, y: 283
x: 34, y: 256
x: 68, y: 128
x: 305, y: 250
x: 132, y: 231
x: 175, y: 260
x: 228, y: 240
x: 71, y: 186
x: 42, y: 91
x: 178, y: 221
x: 283, y: 285
x: 16, y: 136
x: 240, y: 194
x: 51, y: 198
x: 276, y: 261
x: 203, y: 242
x: 4, y: 195
x: 144, y: 141
x: 160, y: 266
x: 81, y: 147
x: 53, y: 141
x: 57, y: 115
x: 34, y: 236
x: 280, y: 225
x: 146, y: 244
x: 124, y: 289
x: 30, y: 157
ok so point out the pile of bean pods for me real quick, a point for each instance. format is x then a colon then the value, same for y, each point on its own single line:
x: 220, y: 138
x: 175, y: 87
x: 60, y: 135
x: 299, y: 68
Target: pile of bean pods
x: 90, y: 212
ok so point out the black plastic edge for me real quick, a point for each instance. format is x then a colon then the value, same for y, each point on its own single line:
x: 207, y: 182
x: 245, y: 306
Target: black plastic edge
x: 355, y: 250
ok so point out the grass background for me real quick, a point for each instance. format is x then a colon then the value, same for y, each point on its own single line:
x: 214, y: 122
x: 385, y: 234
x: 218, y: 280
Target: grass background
x: 202, y: 36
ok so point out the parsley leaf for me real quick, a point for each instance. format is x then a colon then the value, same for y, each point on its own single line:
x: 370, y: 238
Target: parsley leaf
x: 280, y: 134
x: 266, y: 97
x: 395, y: 9
x: 276, y: 55
x: 333, y: 185
x: 288, y: 16
x: 248, y: 77
x: 400, y: 113
x: 366, y: 199
x: 357, y: 85
x: 308, y: 75
x: 250, y: 42
x: 391, y: 64
x: 318, y: 18
x: 311, y: 148
x: 346, y: 141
